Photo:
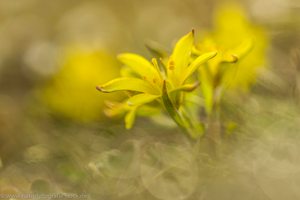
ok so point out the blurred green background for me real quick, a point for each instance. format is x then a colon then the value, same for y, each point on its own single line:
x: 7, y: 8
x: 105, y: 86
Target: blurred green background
x: 54, y: 137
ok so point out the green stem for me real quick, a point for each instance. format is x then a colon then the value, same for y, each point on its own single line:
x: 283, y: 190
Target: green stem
x: 213, y: 131
x: 179, y: 119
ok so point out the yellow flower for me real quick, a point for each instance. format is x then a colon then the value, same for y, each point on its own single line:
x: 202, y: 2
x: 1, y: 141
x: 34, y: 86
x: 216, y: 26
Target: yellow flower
x: 70, y: 93
x: 241, y: 46
x: 163, y: 82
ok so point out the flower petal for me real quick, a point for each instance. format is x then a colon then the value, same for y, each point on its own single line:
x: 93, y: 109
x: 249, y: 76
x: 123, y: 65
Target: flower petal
x: 141, y: 99
x: 139, y: 65
x: 238, y: 52
x: 128, y: 84
x: 186, y: 87
x: 130, y: 118
x: 146, y: 110
x: 243, y: 49
x: 182, y: 52
x: 128, y: 72
x: 114, y: 109
x: 197, y: 63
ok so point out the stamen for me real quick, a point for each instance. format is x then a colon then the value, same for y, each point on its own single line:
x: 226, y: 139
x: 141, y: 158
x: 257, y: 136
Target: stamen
x: 171, y: 65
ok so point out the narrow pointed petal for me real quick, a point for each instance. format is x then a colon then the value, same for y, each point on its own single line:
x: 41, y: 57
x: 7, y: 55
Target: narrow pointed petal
x: 243, y: 49
x: 182, y: 52
x: 115, y: 109
x: 130, y: 118
x: 239, y: 52
x: 128, y: 84
x: 128, y: 72
x: 139, y: 65
x: 186, y: 87
x: 141, y: 99
x: 146, y: 110
x: 229, y: 58
x: 197, y: 63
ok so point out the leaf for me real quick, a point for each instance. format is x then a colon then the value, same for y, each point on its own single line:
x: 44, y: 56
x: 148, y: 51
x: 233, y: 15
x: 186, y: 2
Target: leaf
x: 141, y: 99
x: 182, y: 52
x: 128, y: 84
x: 156, y: 49
x: 197, y: 63
x: 139, y: 65
x: 130, y: 118
x: 170, y: 107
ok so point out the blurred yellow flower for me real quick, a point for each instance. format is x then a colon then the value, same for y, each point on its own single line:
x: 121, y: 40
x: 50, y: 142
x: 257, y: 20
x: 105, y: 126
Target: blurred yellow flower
x: 232, y: 28
x: 241, y: 50
x: 71, y: 93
